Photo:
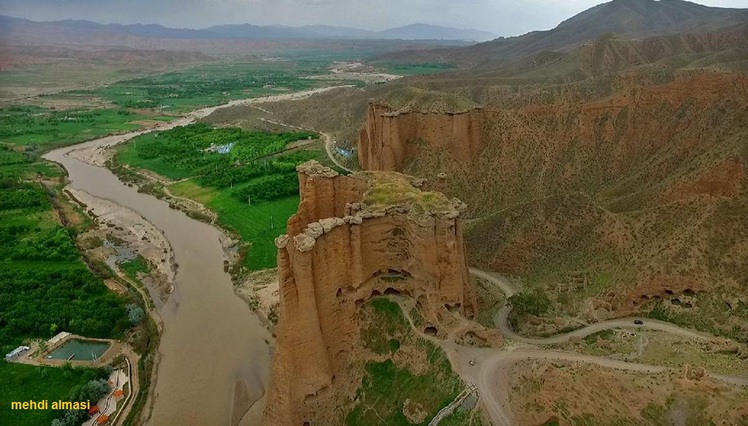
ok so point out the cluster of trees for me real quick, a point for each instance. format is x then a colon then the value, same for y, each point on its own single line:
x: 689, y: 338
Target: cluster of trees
x: 44, y: 287
x: 21, y: 195
x: 20, y: 243
x: 228, y: 176
x: 269, y: 188
x: 92, y: 391
x: 22, y: 120
x: 186, y: 145
x: 183, y: 149
x: 135, y: 314
x: 155, y: 91
x: 39, y: 300
x: 531, y: 302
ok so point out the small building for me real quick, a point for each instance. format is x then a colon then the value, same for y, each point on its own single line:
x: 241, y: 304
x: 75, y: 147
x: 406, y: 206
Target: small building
x: 118, y: 394
x: 57, y: 338
x: 17, y: 352
x: 344, y: 152
x: 220, y: 149
x: 102, y: 420
x: 93, y: 410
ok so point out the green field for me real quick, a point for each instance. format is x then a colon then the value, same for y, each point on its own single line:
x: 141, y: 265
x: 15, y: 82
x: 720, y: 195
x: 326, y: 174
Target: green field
x: 26, y: 382
x: 46, y: 287
x: 39, y: 127
x: 415, y: 69
x: 252, y: 186
x: 132, y: 267
x: 182, y: 91
x: 252, y: 223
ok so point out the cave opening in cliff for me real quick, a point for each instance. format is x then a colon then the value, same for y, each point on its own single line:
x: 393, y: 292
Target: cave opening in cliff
x: 453, y: 308
x: 391, y: 291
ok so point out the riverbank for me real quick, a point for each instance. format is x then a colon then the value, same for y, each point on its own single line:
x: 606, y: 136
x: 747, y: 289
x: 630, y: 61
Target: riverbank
x: 202, y: 291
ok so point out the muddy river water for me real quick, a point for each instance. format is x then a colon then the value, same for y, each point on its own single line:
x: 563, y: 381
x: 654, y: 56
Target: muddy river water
x: 212, y: 343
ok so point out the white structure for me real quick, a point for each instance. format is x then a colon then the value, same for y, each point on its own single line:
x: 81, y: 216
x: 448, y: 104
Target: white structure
x: 58, y: 337
x: 16, y: 352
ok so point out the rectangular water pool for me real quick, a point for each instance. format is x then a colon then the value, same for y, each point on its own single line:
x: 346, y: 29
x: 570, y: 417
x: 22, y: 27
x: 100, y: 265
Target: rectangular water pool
x: 80, y: 350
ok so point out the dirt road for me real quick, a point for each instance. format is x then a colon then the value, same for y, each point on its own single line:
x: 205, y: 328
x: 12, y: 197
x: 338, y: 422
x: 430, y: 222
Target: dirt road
x: 489, y: 369
x: 329, y: 143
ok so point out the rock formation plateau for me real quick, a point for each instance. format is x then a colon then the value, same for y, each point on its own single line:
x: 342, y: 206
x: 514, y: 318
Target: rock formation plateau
x: 354, y: 237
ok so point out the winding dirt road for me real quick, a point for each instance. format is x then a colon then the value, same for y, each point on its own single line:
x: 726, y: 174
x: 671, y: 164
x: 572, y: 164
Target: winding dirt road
x: 489, y: 369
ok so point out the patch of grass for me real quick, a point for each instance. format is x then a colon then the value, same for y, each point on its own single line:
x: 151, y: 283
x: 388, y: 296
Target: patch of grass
x: 392, y: 188
x: 657, y: 414
x: 605, y: 334
x: 704, y: 318
x: 253, y: 188
x: 257, y: 224
x: 132, y: 267
x: 388, y: 384
x: 387, y: 327
x: 37, y: 126
x: 385, y: 388
x: 416, y: 317
x: 19, y: 382
x: 416, y: 69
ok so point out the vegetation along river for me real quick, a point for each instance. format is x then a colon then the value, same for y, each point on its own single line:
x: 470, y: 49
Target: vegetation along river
x: 211, y: 340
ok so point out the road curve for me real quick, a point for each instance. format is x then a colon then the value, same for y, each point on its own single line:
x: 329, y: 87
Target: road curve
x: 493, y: 375
x: 501, y: 319
x: 328, y: 148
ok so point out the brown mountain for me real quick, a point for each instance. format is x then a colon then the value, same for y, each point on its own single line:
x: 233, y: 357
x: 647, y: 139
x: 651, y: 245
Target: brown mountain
x: 607, y: 201
x: 627, y: 18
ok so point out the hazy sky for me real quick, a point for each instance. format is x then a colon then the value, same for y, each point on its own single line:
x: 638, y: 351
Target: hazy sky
x: 501, y: 17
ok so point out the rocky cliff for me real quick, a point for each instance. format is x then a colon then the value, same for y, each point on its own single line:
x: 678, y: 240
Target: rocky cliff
x: 630, y: 200
x: 389, y: 138
x: 354, y: 237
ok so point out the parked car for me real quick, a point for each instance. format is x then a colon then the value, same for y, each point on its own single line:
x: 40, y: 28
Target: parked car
x: 638, y: 322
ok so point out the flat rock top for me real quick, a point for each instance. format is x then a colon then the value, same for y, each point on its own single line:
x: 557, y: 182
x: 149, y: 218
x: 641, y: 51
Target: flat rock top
x: 314, y: 169
x: 391, y: 189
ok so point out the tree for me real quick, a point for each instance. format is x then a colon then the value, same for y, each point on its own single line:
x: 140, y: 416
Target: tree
x: 533, y: 302
x: 135, y: 314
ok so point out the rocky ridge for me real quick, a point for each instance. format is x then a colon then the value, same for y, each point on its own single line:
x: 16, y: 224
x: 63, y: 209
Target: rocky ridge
x: 630, y: 200
x: 352, y: 238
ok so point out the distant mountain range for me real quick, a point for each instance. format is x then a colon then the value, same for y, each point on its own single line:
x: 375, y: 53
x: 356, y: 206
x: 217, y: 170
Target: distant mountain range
x: 10, y: 25
x: 632, y: 19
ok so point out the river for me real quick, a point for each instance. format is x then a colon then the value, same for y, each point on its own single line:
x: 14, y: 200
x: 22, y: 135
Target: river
x: 211, y: 340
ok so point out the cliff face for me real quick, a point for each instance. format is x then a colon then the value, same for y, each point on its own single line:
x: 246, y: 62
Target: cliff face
x: 388, y: 139
x: 354, y: 237
x: 630, y: 198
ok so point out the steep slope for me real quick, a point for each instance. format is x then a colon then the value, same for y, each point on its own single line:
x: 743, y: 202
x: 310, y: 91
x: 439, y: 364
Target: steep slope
x: 590, y: 72
x: 353, y: 238
x: 627, y: 18
x: 607, y: 204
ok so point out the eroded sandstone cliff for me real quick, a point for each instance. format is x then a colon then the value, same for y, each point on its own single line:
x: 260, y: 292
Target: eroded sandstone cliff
x: 388, y: 139
x: 630, y: 201
x: 354, y: 237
